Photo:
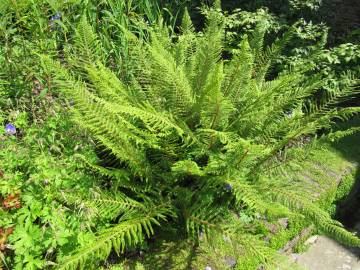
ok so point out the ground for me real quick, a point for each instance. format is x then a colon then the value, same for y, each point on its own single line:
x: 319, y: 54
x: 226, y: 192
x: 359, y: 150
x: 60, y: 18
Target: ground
x: 327, y: 254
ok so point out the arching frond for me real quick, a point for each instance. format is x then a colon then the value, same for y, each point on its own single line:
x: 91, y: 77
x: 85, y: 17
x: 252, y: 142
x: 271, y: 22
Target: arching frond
x: 131, y: 230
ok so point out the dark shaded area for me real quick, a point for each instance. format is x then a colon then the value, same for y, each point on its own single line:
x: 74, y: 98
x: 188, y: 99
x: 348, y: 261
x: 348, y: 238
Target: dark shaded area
x: 348, y: 210
x: 341, y: 16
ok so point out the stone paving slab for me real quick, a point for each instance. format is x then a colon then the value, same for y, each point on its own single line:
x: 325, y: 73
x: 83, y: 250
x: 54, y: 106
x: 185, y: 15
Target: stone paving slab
x: 327, y: 254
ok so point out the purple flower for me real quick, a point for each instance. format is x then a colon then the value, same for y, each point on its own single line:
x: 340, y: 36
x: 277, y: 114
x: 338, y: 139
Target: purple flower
x: 10, y: 129
x: 208, y: 268
x: 228, y: 187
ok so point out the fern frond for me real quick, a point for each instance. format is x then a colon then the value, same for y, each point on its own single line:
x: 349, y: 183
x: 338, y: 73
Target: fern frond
x: 203, y: 218
x: 87, y: 45
x: 214, y: 107
x: 247, y: 194
x: 207, y: 54
x: 120, y: 177
x: 239, y: 73
x: 337, y: 135
x: 210, y: 136
x: 267, y: 257
x: 106, y: 84
x: 187, y: 167
x: 318, y: 216
x: 186, y: 23
x: 169, y: 81
x: 257, y: 40
x: 348, y: 90
x: 130, y: 231
x: 111, y: 206
x: 103, y: 204
x: 265, y: 58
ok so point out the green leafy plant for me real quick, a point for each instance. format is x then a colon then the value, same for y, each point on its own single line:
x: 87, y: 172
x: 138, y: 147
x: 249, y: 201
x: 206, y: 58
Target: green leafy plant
x: 36, y: 164
x: 190, y: 139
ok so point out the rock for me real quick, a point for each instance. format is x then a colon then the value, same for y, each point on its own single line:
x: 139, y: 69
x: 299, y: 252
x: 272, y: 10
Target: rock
x: 267, y: 239
x: 284, y: 222
x: 327, y: 254
x: 295, y: 256
x: 271, y: 227
x: 312, y: 240
x: 231, y: 262
x: 226, y: 238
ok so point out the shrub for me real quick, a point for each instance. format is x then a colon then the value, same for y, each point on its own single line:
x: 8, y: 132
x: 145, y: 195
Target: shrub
x: 190, y: 139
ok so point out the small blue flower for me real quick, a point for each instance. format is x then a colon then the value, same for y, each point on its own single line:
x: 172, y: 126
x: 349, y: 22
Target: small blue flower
x: 290, y: 114
x: 53, y: 25
x: 10, y: 129
x: 201, y: 234
x: 208, y: 268
x: 228, y: 187
x: 56, y: 17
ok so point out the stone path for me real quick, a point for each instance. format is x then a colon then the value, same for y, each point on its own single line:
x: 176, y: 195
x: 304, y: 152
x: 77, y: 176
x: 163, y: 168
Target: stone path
x: 326, y: 254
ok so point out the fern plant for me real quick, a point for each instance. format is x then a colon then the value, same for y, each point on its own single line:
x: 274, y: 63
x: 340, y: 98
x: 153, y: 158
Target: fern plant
x: 189, y: 138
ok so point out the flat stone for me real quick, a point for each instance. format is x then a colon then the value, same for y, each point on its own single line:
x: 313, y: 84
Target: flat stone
x: 295, y: 256
x: 231, y: 262
x: 327, y: 254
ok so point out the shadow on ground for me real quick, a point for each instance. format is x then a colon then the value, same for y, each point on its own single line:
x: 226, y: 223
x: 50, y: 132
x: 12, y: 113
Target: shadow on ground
x: 325, y: 253
x: 348, y: 211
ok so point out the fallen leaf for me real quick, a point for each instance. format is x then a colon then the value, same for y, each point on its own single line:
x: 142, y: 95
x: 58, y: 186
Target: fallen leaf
x: 12, y: 201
